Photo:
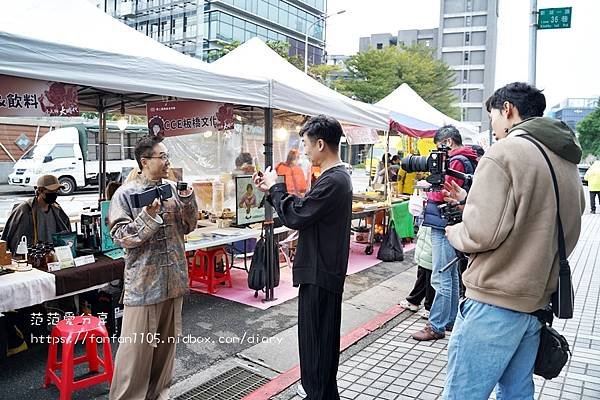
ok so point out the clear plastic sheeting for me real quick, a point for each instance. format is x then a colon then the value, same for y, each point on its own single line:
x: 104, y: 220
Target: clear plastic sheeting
x: 210, y: 158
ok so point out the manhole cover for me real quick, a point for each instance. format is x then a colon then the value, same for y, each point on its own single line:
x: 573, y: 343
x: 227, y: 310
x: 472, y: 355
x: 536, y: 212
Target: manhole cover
x: 231, y: 385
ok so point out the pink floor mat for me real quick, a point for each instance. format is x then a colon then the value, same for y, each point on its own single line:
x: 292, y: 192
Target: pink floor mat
x: 357, y: 261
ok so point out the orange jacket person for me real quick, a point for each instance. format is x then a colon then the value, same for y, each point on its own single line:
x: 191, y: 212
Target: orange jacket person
x: 294, y: 176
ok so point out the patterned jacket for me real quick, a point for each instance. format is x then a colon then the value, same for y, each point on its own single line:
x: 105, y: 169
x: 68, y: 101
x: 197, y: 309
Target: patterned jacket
x: 155, y: 263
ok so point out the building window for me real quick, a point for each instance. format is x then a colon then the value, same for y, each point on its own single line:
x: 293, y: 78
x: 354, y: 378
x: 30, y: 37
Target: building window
x: 427, y: 43
x: 467, y: 37
x: 469, y: 5
x: 465, y: 75
x: 466, y: 56
x: 469, y: 21
x: 379, y: 46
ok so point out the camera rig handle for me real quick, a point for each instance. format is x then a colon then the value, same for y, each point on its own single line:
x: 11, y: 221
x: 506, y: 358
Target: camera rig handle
x: 467, y: 178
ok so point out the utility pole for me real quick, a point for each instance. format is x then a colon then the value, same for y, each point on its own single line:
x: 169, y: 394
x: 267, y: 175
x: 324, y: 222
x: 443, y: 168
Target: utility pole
x: 533, y: 42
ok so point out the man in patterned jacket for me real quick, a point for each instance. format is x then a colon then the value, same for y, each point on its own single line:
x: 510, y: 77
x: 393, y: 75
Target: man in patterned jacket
x: 155, y: 279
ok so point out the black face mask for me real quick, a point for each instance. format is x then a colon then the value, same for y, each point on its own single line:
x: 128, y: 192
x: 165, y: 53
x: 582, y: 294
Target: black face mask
x: 50, y: 198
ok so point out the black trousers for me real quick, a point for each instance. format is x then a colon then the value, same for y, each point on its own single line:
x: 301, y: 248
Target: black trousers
x: 593, y: 196
x: 422, y: 289
x: 319, y: 321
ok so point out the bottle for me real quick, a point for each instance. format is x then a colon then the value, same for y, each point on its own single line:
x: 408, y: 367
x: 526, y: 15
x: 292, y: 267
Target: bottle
x: 218, y: 197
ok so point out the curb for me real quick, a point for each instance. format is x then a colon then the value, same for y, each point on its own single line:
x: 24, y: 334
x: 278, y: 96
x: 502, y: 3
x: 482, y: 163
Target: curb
x: 292, y: 375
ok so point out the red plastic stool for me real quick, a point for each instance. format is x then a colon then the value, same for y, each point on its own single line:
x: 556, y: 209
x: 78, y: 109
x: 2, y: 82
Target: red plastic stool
x: 202, y: 269
x: 86, y: 329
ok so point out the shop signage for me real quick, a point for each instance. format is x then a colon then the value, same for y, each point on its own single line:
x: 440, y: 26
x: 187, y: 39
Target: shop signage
x: 175, y: 118
x: 24, y: 97
x: 359, y: 135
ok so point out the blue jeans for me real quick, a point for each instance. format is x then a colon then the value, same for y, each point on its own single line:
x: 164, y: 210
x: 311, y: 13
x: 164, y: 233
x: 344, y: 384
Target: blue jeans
x: 491, y: 345
x: 446, y: 284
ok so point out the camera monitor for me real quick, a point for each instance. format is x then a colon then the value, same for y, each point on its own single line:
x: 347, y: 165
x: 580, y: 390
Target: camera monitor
x: 250, y: 202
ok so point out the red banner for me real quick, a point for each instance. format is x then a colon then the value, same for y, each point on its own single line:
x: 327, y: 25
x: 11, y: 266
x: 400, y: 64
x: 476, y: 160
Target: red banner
x: 24, y: 97
x: 175, y: 118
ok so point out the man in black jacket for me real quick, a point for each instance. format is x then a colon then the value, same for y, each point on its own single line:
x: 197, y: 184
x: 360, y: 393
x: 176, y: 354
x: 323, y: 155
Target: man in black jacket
x: 322, y: 218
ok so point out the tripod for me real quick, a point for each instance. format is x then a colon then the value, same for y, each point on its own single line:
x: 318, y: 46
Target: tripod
x: 460, y: 256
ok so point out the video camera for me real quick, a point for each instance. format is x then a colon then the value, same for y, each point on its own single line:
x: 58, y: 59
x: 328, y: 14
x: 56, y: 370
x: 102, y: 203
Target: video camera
x: 145, y: 198
x: 437, y: 164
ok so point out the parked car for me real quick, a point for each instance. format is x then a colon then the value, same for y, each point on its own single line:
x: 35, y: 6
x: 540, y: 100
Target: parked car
x: 582, y: 170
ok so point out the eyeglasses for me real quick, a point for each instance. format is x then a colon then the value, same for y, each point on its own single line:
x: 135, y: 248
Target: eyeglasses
x: 164, y: 157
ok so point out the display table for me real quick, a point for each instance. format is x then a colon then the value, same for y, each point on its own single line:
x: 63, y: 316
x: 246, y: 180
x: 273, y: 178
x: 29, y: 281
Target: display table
x: 83, y: 278
x: 24, y: 289
x: 370, y: 212
x: 207, y: 237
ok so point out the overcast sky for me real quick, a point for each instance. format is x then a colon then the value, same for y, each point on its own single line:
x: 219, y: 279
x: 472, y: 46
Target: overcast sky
x: 568, y: 62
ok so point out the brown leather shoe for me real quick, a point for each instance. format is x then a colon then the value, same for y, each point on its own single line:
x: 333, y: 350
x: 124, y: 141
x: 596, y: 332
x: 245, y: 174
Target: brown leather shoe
x: 427, y: 334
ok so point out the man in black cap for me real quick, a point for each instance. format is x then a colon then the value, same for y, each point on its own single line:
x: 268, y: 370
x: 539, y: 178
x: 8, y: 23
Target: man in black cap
x: 37, y: 218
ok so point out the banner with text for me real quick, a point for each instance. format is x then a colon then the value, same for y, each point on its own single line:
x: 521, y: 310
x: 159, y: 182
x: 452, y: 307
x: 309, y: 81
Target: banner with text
x: 175, y: 118
x: 24, y: 97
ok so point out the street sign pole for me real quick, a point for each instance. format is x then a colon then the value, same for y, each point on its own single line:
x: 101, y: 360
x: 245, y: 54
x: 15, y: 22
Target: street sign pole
x: 533, y: 42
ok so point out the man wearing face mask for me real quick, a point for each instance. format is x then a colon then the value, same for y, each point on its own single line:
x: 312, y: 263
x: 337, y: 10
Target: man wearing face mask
x: 37, y: 218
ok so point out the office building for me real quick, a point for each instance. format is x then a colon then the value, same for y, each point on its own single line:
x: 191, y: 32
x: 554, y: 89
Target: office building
x: 201, y: 28
x: 573, y: 110
x: 427, y: 37
x: 467, y: 43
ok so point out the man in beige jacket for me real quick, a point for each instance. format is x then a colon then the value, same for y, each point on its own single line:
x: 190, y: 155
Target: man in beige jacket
x: 509, y: 228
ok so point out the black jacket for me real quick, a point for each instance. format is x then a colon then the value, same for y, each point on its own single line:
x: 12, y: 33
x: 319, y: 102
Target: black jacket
x: 322, y: 218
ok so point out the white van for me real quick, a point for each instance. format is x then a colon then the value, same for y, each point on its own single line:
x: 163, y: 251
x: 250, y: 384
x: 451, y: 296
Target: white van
x: 71, y: 154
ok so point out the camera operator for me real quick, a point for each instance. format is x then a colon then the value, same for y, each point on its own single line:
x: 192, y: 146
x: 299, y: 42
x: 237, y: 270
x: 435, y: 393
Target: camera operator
x: 446, y: 283
x: 510, y: 229
x: 156, y: 276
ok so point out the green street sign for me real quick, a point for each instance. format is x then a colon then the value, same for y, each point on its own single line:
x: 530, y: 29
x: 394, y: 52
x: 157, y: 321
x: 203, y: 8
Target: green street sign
x: 554, y: 18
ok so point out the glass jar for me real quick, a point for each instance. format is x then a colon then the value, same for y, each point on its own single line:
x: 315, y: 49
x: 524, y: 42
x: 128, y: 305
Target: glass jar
x: 38, y: 260
x: 49, y: 254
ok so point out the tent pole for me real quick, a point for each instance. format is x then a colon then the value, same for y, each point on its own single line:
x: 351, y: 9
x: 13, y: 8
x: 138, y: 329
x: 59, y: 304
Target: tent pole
x: 371, y: 167
x: 385, y: 164
x: 269, y: 234
x: 102, y: 147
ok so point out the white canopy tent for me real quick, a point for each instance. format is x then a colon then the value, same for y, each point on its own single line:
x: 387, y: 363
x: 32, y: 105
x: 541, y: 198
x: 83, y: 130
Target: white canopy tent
x: 293, y: 90
x: 408, y: 102
x: 72, y: 41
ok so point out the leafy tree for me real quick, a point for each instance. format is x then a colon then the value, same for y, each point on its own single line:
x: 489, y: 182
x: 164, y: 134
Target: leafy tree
x: 376, y: 73
x: 589, y: 133
x: 320, y: 72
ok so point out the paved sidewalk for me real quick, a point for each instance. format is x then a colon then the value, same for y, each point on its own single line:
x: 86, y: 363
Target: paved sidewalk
x: 397, y: 367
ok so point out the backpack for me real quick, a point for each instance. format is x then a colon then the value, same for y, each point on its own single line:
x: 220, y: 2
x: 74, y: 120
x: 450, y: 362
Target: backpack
x: 257, y: 275
x: 469, y: 166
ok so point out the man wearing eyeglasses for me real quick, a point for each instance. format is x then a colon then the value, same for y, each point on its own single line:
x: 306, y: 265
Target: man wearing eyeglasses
x: 155, y: 278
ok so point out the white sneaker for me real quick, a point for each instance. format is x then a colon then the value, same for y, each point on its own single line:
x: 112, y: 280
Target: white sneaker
x: 409, y: 306
x: 300, y: 391
x: 424, y: 314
